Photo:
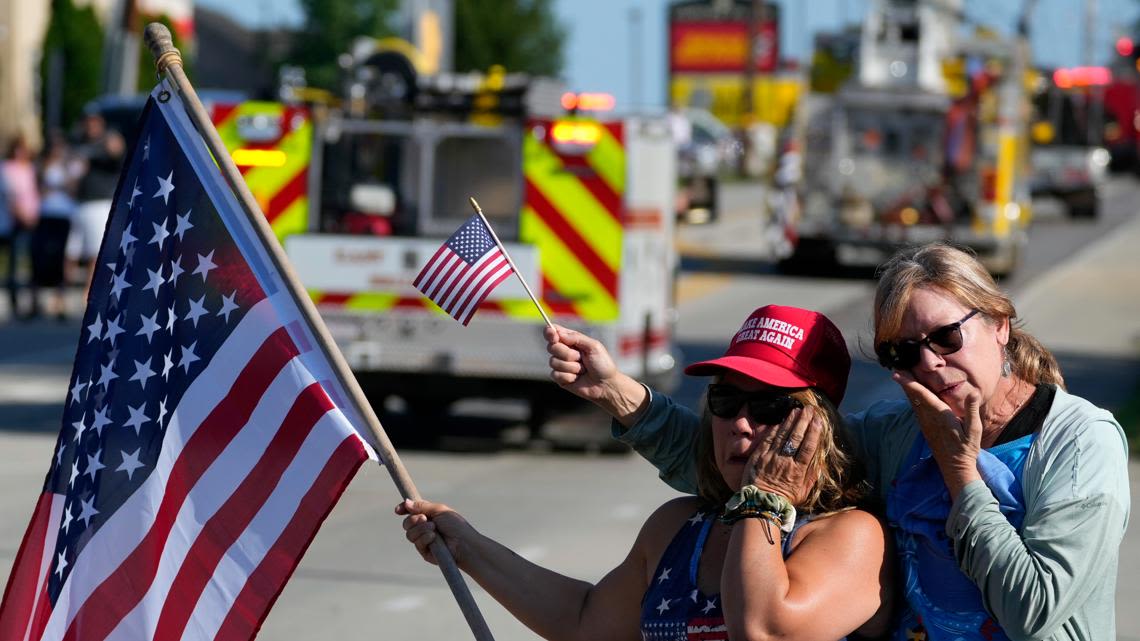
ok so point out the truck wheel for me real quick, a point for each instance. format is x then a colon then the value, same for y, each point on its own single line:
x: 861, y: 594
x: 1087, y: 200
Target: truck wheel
x: 421, y: 425
x: 1084, y: 205
x: 585, y: 428
x: 1003, y: 261
x: 811, y: 256
x: 1084, y: 212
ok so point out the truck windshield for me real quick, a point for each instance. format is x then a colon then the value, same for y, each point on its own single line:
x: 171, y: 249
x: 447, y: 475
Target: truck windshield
x: 897, y: 136
x: 1072, y: 119
x: 893, y: 153
x: 370, y: 159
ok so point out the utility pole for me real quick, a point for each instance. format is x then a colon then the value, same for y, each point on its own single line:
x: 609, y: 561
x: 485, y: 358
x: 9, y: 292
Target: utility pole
x: 754, y: 13
x: 1089, y: 39
x: 1093, y: 99
x: 635, y: 71
x: 121, y: 55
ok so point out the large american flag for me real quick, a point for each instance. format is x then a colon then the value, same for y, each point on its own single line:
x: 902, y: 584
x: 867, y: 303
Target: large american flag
x: 204, y: 437
x: 464, y: 270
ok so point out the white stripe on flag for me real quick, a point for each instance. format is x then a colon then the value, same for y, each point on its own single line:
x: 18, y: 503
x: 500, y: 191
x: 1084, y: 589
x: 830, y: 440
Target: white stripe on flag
x: 211, y: 492
x: 473, y: 303
x: 248, y: 551
x: 117, y: 538
x: 424, y: 273
x: 50, y: 536
x: 480, y: 280
x: 470, y: 275
x: 441, y: 281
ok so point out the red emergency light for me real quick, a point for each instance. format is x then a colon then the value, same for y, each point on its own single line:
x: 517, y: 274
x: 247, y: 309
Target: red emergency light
x: 1067, y: 78
x: 1124, y: 46
x: 587, y: 101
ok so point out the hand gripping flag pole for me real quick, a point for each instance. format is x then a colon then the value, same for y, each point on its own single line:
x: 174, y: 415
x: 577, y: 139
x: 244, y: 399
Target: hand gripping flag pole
x: 479, y: 211
x: 168, y: 61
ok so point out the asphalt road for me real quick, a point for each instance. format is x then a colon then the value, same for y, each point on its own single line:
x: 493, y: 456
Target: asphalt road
x: 574, y: 512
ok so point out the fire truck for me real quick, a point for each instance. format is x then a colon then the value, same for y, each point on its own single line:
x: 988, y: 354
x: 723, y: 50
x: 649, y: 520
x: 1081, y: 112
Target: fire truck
x: 363, y: 193
x: 926, y: 142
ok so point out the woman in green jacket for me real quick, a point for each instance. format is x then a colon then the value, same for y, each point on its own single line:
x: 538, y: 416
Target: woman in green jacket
x: 1007, y: 496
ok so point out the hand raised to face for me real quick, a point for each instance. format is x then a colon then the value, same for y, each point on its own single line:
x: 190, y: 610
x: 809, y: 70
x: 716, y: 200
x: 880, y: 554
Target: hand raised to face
x: 955, y: 443
x: 781, y: 462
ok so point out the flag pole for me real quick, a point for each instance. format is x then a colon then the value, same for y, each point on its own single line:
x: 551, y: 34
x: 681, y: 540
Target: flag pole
x: 168, y: 61
x: 479, y: 210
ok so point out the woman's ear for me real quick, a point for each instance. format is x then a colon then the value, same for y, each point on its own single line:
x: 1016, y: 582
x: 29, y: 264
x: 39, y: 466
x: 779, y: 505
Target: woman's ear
x: 1002, y: 331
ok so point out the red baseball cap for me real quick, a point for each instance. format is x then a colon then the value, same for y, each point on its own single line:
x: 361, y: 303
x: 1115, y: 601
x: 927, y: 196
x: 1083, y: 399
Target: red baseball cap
x: 786, y: 347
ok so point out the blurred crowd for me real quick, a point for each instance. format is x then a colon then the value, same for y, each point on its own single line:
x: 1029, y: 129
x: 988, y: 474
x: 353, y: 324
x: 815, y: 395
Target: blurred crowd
x: 53, y: 209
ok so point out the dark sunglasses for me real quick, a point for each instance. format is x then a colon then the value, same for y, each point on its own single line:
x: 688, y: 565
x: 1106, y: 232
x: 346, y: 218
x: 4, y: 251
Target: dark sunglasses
x: 905, y: 354
x: 764, y: 408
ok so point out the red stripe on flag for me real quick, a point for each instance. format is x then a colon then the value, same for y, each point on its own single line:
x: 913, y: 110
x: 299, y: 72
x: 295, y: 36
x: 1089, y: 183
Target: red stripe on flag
x: 599, y: 188
x: 292, y: 190
x: 467, y: 282
x: 450, y: 264
x: 480, y: 291
x: 20, y: 594
x: 424, y: 274
x: 582, y: 250
x: 120, y: 592
x: 464, y: 287
x: 232, y: 518
x: 42, y: 615
x: 477, y: 292
x: 266, y: 581
x: 444, y: 298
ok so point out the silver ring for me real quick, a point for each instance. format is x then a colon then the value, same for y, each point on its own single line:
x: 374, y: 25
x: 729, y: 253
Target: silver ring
x: 789, y: 449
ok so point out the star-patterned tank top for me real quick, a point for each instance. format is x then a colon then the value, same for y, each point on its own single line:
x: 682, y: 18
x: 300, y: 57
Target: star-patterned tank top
x: 674, y: 608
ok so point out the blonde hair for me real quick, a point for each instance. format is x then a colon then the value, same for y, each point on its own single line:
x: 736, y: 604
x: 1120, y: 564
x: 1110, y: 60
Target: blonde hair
x: 958, y: 274
x: 839, y: 481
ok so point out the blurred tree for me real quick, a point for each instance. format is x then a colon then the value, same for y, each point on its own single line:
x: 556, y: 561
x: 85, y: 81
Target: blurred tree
x: 70, y: 67
x: 329, y: 30
x: 521, y: 35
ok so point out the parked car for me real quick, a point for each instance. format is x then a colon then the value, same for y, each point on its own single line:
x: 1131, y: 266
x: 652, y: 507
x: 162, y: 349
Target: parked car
x: 706, y: 149
x: 1069, y: 160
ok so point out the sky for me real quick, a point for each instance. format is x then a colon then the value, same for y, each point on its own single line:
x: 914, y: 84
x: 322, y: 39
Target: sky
x: 619, y: 46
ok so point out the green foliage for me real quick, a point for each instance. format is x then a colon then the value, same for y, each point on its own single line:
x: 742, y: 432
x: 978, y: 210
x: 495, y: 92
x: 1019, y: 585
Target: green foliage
x: 147, y: 75
x: 75, y: 38
x: 521, y: 35
x: 330, y: 27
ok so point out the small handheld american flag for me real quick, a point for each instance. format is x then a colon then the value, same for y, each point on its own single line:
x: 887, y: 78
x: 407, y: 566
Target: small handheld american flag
x: 466, y: 268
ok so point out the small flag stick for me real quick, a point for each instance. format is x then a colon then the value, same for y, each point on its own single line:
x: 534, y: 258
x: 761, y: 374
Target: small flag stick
x: 479, y: 210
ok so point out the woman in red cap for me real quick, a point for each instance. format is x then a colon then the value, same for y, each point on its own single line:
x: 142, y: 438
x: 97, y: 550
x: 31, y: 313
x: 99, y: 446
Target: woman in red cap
x: 762, y: 551
x: 1007, y: 496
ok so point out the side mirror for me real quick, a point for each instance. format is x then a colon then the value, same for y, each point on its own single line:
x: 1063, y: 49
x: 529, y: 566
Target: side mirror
x: 1042, y: 132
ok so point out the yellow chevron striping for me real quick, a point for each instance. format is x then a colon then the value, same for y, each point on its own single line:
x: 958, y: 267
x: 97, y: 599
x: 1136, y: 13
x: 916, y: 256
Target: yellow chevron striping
x: 297, y: 146
x: 293, y: 220
x: 608, y: 159
x: 590, y: 219
x: 569, y: 276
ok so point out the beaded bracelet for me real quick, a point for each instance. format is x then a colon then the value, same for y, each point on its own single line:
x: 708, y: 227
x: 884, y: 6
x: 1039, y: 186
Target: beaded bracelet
x: 752, y: 502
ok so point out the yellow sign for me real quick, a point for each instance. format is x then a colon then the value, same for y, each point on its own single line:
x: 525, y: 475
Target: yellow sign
x: 773, y: 96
